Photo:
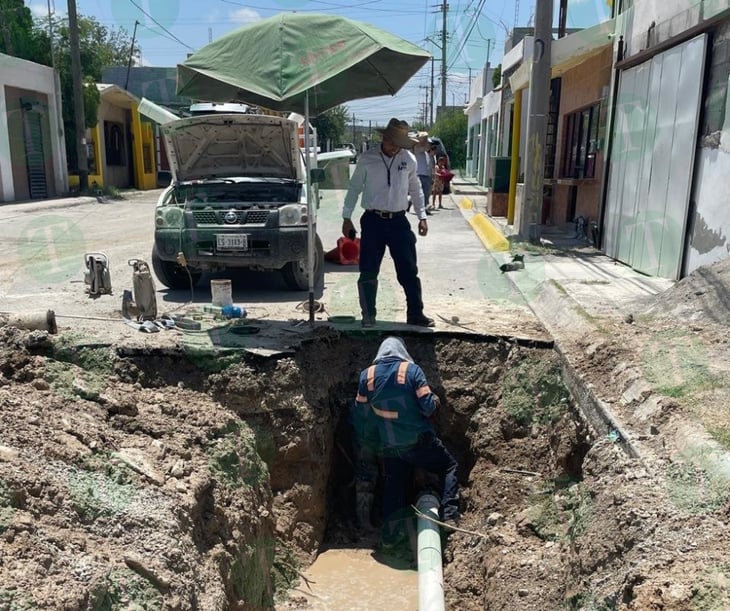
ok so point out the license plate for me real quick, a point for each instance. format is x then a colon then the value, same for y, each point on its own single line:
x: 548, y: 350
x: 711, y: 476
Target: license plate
x: 232, y: 241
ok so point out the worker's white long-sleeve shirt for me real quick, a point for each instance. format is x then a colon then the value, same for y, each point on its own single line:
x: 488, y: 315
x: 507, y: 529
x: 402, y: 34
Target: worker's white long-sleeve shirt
x: 370, y: 179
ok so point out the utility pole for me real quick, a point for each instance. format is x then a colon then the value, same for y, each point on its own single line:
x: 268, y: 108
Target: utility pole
x: 539, y: 100
x: 82, y: 161
x: 56, y: 82
x: 425, y: 104
x: 131, y: 54
x: 485, y: 85
x: 353, y: 128
x: 430, y: 123
x: 444, y: 8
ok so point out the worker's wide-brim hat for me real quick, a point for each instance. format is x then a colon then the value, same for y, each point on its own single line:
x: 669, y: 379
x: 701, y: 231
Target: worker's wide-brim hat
x: 397, y: 132
x: 422, y: 142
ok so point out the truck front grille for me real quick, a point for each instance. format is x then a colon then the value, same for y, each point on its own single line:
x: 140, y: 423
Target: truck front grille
x: 218, y: 217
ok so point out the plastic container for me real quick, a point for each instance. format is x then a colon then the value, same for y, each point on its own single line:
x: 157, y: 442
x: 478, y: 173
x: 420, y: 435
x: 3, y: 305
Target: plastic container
x: 221, y: 293
x: 231, y: 311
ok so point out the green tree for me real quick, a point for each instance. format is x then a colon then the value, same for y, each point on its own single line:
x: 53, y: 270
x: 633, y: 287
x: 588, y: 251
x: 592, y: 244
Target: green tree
x: 99, y: 47
x: 497, y: 76
x: 451, y: 127
x: 331, y: 125
x: 18, y: 37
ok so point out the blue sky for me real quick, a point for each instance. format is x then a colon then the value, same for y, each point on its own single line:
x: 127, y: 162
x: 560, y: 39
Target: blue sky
x: 170, y: 29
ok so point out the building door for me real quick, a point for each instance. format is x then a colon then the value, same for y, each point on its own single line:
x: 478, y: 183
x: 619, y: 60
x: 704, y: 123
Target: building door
x: 35, y: 160
x: 652, y: 157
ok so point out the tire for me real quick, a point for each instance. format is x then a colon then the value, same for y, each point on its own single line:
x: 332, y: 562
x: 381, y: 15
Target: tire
x: 295, y: 272
x: 171, y: 274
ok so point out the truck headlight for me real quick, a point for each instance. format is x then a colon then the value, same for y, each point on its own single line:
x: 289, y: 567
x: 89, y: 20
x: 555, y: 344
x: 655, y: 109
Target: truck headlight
x: 292, y: 214
x: 169, y: 217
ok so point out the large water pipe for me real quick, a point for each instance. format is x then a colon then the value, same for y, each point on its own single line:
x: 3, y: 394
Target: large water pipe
x: 430, y: 569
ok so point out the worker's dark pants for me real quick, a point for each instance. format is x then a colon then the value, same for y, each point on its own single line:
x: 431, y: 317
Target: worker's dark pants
x: 431, y: 455
x: 396, y: 234
x: 426, y: 182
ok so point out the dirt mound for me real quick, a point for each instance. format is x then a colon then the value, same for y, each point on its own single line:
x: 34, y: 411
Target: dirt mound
x: 702, y: 296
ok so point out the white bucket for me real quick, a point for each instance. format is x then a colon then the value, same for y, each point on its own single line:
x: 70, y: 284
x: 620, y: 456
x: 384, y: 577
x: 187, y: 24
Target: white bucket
x: 221, y: 293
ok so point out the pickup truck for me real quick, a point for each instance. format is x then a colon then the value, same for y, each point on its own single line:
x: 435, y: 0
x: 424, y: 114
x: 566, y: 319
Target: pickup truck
x: 237, y: 199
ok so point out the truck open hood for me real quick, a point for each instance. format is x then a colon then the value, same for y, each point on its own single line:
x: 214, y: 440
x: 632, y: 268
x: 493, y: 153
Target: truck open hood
x: 232, y: 145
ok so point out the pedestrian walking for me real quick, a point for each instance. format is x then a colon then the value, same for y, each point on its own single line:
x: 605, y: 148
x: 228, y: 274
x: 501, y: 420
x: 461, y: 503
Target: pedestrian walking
x: 399, y: 395
x: 385, y: 176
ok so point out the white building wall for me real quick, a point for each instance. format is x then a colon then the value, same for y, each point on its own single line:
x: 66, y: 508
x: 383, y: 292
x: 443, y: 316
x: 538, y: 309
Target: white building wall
x: 710, y: 226
x: 23, y: 74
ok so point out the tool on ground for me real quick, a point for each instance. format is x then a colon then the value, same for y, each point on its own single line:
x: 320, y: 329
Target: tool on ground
x: 97, y: 276
x: 143, y: 290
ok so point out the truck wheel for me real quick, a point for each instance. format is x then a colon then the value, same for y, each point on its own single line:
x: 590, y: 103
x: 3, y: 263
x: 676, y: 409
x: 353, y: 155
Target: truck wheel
x: 171, y: 274
x: 295, y: 272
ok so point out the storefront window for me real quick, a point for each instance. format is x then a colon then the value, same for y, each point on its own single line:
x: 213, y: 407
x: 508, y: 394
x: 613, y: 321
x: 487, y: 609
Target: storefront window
x: 581, y: 143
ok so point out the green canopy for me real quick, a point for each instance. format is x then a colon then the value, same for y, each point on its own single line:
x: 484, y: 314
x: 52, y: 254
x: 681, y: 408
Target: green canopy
x: 278, y: 63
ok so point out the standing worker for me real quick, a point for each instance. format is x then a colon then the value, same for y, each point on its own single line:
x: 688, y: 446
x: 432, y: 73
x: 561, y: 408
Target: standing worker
x: 424, y: 152
x: 386, y: 176
x: 399, y: 395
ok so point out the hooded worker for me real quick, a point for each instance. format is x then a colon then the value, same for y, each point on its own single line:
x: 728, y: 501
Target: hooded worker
x: 399, y: 395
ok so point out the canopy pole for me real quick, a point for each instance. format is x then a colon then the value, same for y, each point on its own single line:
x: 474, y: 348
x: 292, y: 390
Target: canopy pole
x: 310, y: 209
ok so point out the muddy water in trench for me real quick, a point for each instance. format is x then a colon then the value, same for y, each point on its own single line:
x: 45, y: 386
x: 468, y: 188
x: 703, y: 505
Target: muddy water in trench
x: 352, y: 579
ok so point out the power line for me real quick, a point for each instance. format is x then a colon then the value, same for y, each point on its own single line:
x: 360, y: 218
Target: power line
x: 468, y: 34
x: 334, y: 7
x: 163, y: 28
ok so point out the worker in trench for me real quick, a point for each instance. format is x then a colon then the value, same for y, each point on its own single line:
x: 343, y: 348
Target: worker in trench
x: 395, y: 399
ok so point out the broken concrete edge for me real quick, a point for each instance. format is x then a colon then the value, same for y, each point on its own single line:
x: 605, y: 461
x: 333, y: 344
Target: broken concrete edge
x: 693, y: 443
x: 596, y: 412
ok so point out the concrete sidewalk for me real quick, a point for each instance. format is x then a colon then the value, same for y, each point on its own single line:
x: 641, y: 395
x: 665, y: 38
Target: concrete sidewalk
x: 564, y: 270
x: 69, y: 201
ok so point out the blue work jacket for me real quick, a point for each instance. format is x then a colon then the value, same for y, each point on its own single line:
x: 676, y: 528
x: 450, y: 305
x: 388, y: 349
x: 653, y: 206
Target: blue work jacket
x: 401, y: 401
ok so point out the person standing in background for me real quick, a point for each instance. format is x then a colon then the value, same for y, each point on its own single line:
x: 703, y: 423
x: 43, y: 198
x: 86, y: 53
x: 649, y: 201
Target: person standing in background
x: 424, y: 152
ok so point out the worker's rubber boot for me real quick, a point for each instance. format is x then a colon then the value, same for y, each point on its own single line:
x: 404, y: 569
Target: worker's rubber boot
x: 367, y: 291
x: 414, y: 299
x: 364, y: 497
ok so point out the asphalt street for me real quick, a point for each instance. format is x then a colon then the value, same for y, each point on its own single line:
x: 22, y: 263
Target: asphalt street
x: 46, y: 241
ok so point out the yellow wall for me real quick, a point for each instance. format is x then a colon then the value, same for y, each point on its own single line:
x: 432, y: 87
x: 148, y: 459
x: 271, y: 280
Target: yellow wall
x: 143, y: 151
x: 143, y: 155
x: 93, y: 136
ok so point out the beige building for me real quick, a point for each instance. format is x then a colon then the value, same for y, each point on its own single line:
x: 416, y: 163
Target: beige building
x: 32, y: 150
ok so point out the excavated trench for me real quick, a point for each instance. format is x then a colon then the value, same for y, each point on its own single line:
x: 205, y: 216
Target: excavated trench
x: 206, y: 481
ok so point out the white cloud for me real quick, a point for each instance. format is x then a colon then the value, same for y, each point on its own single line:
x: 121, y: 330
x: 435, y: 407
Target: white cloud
x: 39, y: 9
x: 244, y: 16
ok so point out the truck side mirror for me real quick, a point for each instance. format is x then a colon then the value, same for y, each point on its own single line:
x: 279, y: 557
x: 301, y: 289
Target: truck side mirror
x: 316, y: 175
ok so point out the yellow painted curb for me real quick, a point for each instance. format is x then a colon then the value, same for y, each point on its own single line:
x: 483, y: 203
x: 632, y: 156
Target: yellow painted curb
x: 488, y: 233
x: 466, y: 204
